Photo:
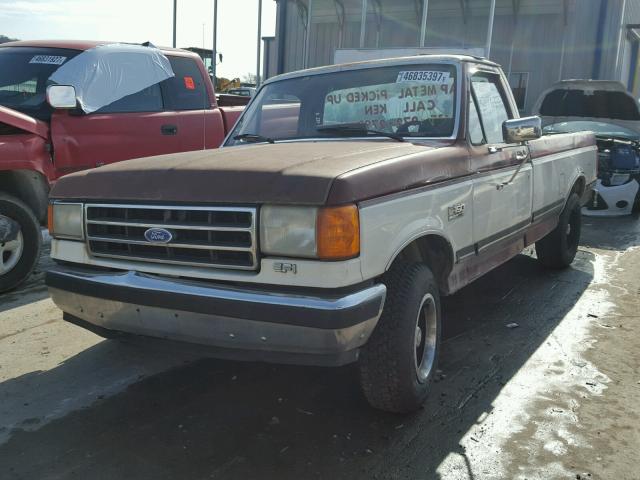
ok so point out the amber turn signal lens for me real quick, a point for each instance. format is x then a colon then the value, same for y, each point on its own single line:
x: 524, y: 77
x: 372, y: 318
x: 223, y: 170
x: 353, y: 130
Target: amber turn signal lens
x: 338, y: 232
x: 50, y: 218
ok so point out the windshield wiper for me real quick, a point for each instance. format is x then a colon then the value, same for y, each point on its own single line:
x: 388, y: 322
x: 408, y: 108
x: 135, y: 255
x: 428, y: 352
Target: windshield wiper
x: 253, y: 137
x: 356, y: 128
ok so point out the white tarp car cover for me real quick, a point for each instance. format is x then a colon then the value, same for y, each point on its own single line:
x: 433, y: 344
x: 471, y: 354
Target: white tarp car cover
x: 107, y: 73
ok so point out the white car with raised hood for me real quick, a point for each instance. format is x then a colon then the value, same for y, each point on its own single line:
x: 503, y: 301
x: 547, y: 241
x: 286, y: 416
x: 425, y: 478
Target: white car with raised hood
x: 611, y: 113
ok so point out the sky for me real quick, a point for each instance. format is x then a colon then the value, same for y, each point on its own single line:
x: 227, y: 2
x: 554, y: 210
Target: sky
x: 146, y: 20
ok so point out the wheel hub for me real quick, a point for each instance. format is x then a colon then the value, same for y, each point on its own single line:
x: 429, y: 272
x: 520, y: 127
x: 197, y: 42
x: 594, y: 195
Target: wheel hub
x: 425, y: 338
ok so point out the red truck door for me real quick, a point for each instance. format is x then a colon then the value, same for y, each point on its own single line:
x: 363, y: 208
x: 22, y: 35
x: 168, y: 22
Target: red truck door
x: 135, y: 126
x: 188, y: 97
x: 167, y: 118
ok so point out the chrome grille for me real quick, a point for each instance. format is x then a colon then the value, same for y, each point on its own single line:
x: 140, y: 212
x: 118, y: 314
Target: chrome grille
x: 223, y: 237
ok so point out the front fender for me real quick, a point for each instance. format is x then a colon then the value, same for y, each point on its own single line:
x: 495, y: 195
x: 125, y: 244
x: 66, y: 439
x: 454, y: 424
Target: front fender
x: 389, y: 225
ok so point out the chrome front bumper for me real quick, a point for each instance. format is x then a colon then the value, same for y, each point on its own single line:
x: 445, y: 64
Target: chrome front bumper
x: 238, y: 323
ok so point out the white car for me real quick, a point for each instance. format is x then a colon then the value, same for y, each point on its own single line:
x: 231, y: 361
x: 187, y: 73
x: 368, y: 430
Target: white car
x: 607, y: 109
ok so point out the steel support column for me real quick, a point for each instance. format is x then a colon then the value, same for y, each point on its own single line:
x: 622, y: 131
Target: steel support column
x: 565, y: 22
x: 463, y: 9
x: 259, y: 43
x: 620, y: 49
x: 516, y: 11
x: 175, y: 17
x: 377, y: 7
x: 281, y: 35
x: 307, y: 39
x: 340, y: 13
x: 423, y: 25
x: 363, y: 23
x: 492, y: 14
x: 214, y: 52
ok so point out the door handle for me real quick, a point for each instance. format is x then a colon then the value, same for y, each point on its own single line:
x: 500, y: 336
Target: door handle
x: 521, y: 156
x: 169, y: 129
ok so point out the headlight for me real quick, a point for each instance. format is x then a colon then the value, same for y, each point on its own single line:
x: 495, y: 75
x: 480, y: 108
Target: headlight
x: 289, y: 231
x: 65, y: 220
x: 331, y: 233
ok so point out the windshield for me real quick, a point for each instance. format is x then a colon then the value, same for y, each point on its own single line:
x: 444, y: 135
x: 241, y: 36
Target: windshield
x: 24, y: 72
x: 409, y: 100
x: 599, y: 128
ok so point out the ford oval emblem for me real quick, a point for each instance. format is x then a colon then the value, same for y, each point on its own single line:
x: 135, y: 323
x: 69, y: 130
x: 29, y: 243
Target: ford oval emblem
x: 158, y: 235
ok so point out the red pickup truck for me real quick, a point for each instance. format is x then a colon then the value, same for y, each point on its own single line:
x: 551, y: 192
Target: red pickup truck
x: 39, y: 144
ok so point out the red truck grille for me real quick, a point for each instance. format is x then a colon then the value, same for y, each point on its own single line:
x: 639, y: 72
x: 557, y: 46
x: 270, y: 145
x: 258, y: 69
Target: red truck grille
x: 223, y: 237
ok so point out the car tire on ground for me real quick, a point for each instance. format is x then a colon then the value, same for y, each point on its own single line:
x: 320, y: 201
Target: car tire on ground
x: 636, y: 203
x: 398, y: 362
x: 18, y: 257
x: 559, y: 247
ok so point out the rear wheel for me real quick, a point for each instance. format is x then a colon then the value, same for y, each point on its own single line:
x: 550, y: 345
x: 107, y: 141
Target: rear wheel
x: 636, y: 203
x: 398, y: 362
x: 558, y: 249
x: 20, y: 242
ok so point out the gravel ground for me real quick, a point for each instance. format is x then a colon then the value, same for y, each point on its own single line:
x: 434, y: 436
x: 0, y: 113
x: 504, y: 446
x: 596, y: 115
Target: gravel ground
x: 554, y: 397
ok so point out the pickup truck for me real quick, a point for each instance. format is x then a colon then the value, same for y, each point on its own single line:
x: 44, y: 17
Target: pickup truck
x: 353, y: 198
x: 39, y: 144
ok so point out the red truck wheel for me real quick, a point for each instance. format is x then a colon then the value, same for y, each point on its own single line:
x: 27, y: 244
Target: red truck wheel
x: 20, y: 243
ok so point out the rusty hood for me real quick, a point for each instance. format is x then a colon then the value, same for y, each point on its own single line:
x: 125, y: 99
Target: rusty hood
x: 311, y: 173
x: 24, y: 122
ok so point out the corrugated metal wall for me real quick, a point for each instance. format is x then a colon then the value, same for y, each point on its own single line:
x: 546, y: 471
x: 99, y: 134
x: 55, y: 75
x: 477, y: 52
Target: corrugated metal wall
x: 617, y: 48
x: 627, y: 70
x: 529, y: 36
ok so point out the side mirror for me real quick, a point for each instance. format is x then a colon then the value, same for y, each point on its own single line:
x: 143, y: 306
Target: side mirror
x: 521, y: 130
x: 62, y: 96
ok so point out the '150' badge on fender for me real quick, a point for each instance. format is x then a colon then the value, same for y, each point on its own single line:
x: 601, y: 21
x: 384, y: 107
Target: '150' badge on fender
x: 456, y: 211
x: 158, y: 235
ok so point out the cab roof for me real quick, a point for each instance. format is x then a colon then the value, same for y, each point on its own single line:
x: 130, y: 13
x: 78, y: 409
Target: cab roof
x: 80, y: 45
x: 385, y: 62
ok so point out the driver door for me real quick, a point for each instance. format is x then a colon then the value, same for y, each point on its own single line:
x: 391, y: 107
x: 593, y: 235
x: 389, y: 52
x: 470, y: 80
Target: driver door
x: 502, y: 203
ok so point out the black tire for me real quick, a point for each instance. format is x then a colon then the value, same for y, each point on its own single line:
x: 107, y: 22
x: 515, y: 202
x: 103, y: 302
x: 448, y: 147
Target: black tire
x: 389, y: 376
x: 636, y: 203
x: 559, y: 247
x: 31, y: 239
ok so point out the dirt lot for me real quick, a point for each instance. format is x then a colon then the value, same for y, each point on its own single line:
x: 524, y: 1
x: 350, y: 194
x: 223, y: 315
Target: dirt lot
x: 555, y: 397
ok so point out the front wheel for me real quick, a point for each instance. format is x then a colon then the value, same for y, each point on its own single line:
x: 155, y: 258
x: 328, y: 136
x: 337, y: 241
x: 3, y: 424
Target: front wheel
x: 559, y: 247
x: 20, y: 242
x: 398, y: 362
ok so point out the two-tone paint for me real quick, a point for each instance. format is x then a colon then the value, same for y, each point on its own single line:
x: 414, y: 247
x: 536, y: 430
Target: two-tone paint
x: 463, y: 208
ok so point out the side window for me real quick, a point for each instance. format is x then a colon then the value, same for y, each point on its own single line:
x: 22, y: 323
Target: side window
x: 147, y: 100
x: 26, y: 86
x: 476, y: 135
x: 280, y: 116
x: 519, y: 83
x: 491, y: 105
x: 185, y: 91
